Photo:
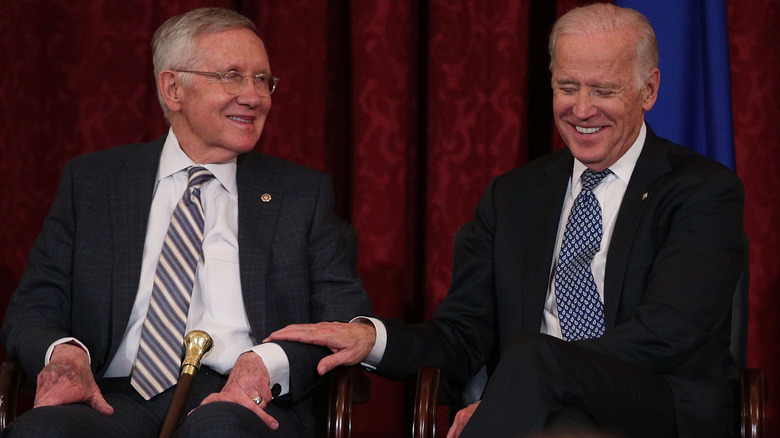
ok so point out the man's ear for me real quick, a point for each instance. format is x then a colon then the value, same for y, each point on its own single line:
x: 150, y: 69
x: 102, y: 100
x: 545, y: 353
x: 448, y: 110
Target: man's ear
x: 650, y: 91
x: 170, y: 89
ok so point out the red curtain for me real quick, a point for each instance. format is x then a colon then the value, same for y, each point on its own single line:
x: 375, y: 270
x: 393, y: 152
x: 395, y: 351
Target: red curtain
x: 755, y: 72
x: 411, y: 106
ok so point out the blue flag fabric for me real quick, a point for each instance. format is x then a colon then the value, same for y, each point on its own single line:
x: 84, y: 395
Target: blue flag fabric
x: 694, y: 99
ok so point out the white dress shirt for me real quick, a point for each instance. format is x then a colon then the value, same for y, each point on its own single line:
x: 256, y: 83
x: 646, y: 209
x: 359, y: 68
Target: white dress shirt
x: 217, y: 305
x: 609, y: 193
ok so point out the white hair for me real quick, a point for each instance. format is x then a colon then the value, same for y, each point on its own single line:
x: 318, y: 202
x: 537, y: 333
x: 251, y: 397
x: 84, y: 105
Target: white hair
x: 601, y: 18
x: 174, y: 45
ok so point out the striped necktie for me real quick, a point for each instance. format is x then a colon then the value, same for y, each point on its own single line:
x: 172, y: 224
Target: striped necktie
x: 160, y: 349
x: 580, y: 310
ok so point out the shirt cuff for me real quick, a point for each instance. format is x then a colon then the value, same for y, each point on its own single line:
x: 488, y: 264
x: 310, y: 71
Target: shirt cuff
x: 376, y: 354
x: 277, y: 364
x: 65, y: 341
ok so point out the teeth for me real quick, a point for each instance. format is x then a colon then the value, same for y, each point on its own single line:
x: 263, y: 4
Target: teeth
x: 239, y: 119
x: 584, y: 130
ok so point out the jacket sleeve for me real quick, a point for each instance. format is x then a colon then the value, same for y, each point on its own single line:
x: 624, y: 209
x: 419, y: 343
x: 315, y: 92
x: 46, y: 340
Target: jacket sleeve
x: 40, y: 308
x: 461, y: 333
x: 335, y: 289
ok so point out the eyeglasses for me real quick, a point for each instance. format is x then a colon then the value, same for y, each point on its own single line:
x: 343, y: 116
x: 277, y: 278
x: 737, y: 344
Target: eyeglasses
x: 234, y: 82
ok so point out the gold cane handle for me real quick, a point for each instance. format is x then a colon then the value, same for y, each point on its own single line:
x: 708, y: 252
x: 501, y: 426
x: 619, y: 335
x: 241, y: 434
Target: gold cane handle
x: 197, y: 344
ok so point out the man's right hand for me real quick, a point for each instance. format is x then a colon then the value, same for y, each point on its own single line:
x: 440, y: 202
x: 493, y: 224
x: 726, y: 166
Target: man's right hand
x: 68, y: 379
x: 350, y: 342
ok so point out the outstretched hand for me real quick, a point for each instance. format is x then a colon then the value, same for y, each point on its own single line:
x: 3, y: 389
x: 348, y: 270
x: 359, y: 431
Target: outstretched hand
x: 68, y: 379
x: 350, y: 342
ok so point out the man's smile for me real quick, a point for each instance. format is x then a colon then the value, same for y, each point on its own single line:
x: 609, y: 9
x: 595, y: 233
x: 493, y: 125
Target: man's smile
x: 586, y: 130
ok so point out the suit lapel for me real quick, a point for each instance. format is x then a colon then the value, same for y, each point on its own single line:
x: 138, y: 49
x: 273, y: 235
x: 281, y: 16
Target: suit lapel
x: 652, y: 163
x: 538, y: 258
x: 132, y: 189
x: 260, y: 199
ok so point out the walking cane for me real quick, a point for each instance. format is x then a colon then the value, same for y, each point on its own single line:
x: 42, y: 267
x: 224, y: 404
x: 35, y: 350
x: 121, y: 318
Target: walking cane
x: 197, y: 344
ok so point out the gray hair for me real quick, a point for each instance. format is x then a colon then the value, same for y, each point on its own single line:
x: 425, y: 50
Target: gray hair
x: 174, y: 45
x: 601, y: 18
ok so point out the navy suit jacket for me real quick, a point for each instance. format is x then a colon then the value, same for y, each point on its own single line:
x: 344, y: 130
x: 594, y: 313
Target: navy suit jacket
x: 297, y: 259
x: 675, y: 256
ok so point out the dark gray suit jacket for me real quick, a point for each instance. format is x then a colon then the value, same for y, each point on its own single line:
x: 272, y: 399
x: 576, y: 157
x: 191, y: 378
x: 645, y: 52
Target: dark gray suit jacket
x: 675, y: 255
x: 297, y: 259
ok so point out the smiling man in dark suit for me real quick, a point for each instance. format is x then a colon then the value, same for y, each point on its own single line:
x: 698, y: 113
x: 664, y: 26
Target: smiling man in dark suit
x: 214, y: 235
x: 600, y: 277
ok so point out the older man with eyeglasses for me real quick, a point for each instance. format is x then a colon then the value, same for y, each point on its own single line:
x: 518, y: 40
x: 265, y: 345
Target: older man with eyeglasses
x: 195, y: 230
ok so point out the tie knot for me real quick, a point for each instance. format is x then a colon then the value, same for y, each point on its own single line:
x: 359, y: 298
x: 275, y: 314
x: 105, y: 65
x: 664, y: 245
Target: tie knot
x: 591, y: 179
x: 197, y: 176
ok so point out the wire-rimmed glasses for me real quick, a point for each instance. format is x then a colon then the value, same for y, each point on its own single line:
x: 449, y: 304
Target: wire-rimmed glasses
x: 234, y: 82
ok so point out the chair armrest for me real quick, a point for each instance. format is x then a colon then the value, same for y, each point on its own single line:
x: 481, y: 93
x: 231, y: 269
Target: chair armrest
x: 753, y: 400
x: 348, y: 385
x: 426, y: 400
x: 10, y: 379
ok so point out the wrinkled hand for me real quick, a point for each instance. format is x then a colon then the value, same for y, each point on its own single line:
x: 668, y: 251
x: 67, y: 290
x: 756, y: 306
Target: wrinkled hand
x: 461, y: 418
x: 68, y: 379
x: 350, y: 342
x: 248, y: 379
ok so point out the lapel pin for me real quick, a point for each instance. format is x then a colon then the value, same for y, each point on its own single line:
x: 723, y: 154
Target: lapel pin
x: 265, y: 197
x: 644, y: 196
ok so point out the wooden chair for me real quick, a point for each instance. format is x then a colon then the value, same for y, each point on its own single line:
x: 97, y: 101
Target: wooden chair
x: 432, y: 393
x: 346, y: 386
x: 432, y: 390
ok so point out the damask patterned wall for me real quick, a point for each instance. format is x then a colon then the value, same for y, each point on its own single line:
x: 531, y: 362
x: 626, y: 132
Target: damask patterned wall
x: 755, y: 78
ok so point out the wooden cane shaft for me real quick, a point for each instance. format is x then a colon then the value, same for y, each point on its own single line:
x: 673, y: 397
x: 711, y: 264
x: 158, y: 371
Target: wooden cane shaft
x: 176, y: 408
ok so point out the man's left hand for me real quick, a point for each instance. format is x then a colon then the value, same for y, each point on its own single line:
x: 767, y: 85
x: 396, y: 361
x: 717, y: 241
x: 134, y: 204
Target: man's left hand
x: 461, y: 418
x: 248, y: 380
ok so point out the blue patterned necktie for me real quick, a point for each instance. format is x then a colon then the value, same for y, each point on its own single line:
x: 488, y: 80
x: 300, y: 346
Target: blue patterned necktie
x: 580, y: 310
x: 160, y: 349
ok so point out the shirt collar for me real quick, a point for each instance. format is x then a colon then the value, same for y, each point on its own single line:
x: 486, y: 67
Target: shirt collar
x: 623, y: 167
x: 173, y: 160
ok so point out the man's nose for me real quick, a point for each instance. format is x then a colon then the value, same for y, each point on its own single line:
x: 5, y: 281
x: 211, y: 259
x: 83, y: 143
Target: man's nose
x: 249, y: 95
x: 584, y: 107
